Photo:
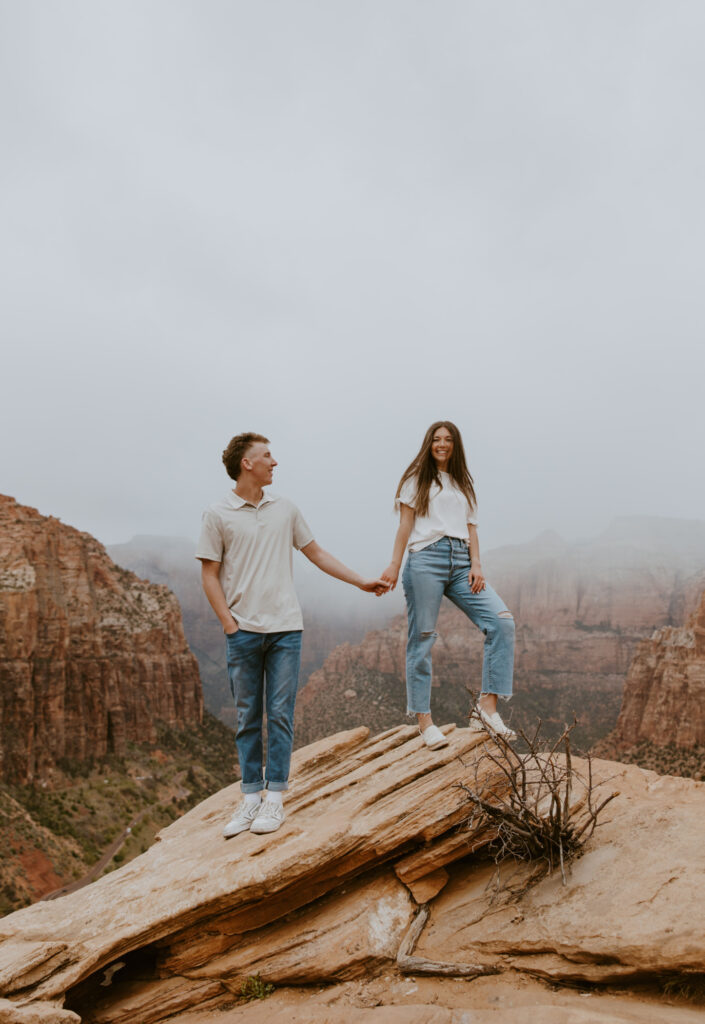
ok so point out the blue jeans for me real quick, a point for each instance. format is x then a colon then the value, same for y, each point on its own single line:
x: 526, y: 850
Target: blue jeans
x: 442, y: 568
x: 264, y: 667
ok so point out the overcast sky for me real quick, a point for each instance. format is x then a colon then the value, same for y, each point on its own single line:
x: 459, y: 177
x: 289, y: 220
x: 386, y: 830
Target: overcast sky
x: 334, y: 222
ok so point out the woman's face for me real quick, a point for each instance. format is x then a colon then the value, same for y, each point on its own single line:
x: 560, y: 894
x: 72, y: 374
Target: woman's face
x: 442, y: 447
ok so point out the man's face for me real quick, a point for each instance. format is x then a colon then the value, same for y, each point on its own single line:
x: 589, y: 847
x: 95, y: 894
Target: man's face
x: 260, y: 462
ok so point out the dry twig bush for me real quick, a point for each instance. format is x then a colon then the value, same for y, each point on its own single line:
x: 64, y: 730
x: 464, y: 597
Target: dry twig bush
x: 542, y: 810
x: 545, y: 810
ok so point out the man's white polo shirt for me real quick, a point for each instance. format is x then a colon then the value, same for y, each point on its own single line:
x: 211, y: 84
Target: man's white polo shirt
x: 254, y: 547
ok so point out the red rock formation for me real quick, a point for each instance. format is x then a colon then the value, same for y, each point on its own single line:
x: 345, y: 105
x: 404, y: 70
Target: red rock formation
x: 91, y: 657
x: 664, y: 695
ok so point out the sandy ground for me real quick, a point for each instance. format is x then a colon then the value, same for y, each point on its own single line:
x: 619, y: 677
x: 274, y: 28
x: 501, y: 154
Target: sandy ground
x: 396, y: 999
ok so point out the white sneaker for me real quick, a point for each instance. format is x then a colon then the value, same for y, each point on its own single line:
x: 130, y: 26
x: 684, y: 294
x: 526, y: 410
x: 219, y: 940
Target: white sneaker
x: 434, y: 738
x: 241, y: 819
x: 269, y: 817
x: 480, y: 720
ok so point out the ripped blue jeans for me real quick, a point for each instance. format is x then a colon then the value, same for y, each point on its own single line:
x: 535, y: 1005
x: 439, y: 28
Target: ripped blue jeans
x: 442, y: 569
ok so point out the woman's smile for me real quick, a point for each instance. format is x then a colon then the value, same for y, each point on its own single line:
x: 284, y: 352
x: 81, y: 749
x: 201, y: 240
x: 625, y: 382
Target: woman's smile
x: 442, y: 446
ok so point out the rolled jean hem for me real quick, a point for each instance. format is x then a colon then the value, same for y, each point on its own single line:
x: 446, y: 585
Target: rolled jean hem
x: 277, y: 787
x: 409, y: 712
x: 500, y: 696
x: 252, y: 787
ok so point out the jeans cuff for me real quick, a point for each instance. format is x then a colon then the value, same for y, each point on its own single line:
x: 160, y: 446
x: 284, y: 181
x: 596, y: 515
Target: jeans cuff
x: 251, y: 787
x: 277, y: 787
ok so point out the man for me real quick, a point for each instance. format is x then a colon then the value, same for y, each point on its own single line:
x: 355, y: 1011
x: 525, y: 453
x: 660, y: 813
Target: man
x: 245, y: 549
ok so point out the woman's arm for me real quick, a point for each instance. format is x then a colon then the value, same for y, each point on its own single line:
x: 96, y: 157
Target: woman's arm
x: 476, y: 577
x: 406, y: 523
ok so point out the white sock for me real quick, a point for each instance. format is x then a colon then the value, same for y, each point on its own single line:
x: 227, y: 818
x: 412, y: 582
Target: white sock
x: 275, y: 796
x: 253, y: 799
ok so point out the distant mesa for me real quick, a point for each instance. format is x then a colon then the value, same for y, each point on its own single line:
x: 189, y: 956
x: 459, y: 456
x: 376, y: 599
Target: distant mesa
x: 549, y: 539
x: 685, y: 535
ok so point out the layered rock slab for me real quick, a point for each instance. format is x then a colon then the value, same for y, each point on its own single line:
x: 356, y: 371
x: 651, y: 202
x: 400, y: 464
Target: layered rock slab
x: 355, y: 803
x: 343, y: 936
x: 505, y: 999
x: 633, y: 905
x: 180, y: 927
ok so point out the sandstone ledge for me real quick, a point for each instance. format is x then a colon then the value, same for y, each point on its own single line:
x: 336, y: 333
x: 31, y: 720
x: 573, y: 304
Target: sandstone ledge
x: 177, y: 916
x: 324, y: 901
x: 633, y: 907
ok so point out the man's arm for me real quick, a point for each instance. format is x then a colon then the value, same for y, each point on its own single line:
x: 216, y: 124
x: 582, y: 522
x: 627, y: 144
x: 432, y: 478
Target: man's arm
x: 328, y: 564
x: 210, y: 580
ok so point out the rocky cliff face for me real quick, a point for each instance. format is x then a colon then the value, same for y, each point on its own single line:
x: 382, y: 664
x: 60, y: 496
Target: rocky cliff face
x: 664, y: 695
x: 90, y: 655
x: 581, y: 611
x: 377, y: 877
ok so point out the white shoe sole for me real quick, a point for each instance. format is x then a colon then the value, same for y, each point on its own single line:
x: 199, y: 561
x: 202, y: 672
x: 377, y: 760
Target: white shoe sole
x: 230, y: 833
x: 478, y: 724
x: 437, y: 742
x: 437, y: 746
x: 265, y: 829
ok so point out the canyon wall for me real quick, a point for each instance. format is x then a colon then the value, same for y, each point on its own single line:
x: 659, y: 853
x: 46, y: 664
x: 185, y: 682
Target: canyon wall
x: 664, y: 694
x: 91, y: 656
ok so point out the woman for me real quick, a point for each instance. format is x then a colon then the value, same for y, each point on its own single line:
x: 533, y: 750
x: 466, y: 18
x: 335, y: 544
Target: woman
x: 437, y: 505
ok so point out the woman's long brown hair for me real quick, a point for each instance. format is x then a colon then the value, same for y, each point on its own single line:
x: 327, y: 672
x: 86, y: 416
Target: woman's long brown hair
x: 424, y: 469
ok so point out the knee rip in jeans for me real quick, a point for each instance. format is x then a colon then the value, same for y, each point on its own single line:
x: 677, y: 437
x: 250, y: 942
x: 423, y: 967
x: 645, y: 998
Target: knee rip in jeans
x: 426, y: 634
x: 505, y: 615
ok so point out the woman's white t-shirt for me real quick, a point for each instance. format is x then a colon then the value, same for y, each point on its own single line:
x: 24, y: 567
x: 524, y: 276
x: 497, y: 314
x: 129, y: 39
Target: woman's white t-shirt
x: 448, y: 514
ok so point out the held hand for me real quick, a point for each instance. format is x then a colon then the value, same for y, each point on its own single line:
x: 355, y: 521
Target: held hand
x: 378, y: 587
x: 476, y: 579
x: 390, y: 576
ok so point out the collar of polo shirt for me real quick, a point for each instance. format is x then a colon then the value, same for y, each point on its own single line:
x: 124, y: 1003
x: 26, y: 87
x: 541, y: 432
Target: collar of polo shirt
x: 237, y: 502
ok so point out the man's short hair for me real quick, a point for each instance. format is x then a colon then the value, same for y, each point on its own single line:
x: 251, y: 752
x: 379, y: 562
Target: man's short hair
x: 237, y: 449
